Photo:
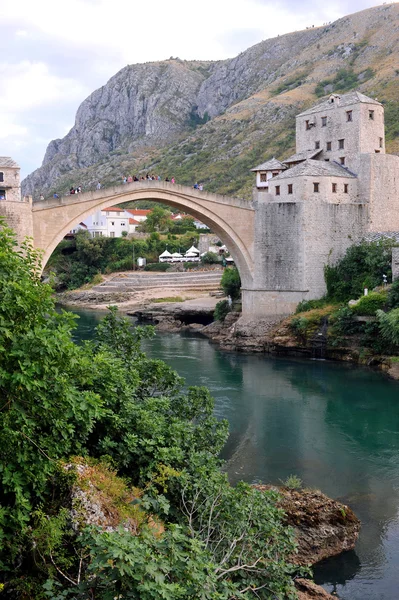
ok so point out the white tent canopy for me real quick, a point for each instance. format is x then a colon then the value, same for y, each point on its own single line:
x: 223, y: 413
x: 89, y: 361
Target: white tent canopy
x: 177, y: 255
x: 191, y: 254
x: 165, y: 254
x: 191, y: 251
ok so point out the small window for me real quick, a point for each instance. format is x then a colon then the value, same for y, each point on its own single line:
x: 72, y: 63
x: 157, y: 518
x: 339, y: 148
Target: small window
x: 2, y: 194
x: 326, y: 160
x: 112, y: 234
x: 317, y: 145
x: 1, y: 176
x: 328, y: 146
x: 323, y: 121
x: 349, y: 115
x: 290, y: 187
x: 315, y: 186
x: 381, y: 145
x: 277, y: 190
x: 275, y: 173
x: 371, y: 115
x: 334, y: 188
x: 307, y: 123
x: 346, y: 188
x: 112, y: 222
x: 342, y: 160
x: 123, y: 224
x: 341, y: 144
x: 263, y: 177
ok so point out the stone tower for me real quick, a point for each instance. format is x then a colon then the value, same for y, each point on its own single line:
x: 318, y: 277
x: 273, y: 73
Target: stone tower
x: 16, y: 211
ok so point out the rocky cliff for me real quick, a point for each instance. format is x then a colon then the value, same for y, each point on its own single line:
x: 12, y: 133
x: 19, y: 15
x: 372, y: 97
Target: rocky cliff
x: 213, y: 121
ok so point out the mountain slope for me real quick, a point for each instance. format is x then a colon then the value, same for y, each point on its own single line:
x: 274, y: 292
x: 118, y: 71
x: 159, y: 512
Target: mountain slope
x: 214, y: 121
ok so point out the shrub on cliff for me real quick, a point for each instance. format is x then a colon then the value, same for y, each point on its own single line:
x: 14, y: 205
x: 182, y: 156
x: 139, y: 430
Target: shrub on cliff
x: 362, y: 267
x: 231, y: 282
x: 106, y: 398
x: 368, y: 305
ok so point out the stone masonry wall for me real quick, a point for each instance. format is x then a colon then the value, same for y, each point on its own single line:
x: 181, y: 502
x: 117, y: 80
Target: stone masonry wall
x: 379, y: 185
x: 18, y: 216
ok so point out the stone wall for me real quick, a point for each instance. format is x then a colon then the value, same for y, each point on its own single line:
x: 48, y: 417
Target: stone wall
x: 18, y: 216
x: 379, y: 185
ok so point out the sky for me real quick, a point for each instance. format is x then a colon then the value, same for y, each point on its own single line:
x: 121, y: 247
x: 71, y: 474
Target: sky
x: 54, y: 53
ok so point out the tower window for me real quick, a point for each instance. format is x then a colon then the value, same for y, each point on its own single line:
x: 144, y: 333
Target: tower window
x: 328, y: 146
x: 341, y: 144
x: 349, y: 115
x: 346, y: 188
x: 342, y: 160
x: 316, y: 186
x: 334, y: 188
x: 371, y: 115
x: 290, y: 188
x: 307, y: 123
x: 2, y: 194
x: 1, y: 176
x: 277, y: 190
x: 317, y: 145
x: 381, y: 145
x: 323, y: 121
x: 263, y: 177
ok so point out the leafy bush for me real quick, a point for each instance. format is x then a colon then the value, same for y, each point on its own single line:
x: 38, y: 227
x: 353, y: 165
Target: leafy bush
x: 389, y: 326
x: 368, y: 305
x: 299, y: 326
x: 293, y: 482
x: 393, y: 295
x: 210, y: 258
x: 190, y: 265
x: 362, y: 267
x: 231, y: 282
x: 306, y: 305
x: 222, y: 309
x: 106, y: 398
x: 343, y: 323
x: 157, y: 267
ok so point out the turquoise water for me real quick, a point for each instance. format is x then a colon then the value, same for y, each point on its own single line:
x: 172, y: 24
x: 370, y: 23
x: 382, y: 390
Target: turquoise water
x: 333, y: 425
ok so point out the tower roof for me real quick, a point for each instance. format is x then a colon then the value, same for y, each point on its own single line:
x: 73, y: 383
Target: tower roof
x: 301, y: 156
x: 344, y: 100
x: 271, y: 164
x: 315, y: 168
x: 6, y: 161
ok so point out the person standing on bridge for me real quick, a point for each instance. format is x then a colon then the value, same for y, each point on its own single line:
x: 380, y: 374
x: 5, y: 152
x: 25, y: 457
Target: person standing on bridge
x: 98, y: 186
x: 172, y: 180
x: 200, y: 187
x: 130, y: 179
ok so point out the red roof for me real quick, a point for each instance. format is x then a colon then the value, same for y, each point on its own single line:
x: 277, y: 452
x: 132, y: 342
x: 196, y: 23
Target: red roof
x: 138, y: 212
x: 134, y: 222
x: 115, y: 208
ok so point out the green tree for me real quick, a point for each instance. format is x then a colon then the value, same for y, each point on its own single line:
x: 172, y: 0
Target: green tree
x: 157, y: 220
x: 231, y: 282
x: 362, y: 267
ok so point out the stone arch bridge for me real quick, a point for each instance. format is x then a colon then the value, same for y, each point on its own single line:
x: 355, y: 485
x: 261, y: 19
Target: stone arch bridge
x: 232, y: 219
x: 280, y: 248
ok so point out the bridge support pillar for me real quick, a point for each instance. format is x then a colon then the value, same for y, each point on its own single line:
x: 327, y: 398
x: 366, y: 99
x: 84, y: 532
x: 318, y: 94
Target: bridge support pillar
x: 293, y: 242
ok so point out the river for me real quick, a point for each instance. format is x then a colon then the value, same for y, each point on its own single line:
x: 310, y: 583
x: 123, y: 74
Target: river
x: 335, y: 426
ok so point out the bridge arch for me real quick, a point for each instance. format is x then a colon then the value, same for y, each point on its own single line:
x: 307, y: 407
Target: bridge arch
x: 231, y: 219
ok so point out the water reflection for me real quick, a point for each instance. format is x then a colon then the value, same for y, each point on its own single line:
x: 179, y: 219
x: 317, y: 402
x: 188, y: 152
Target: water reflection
x: 336, y: 427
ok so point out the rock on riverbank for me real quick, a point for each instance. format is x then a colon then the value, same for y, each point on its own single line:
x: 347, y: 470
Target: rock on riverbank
x: 323, y: 527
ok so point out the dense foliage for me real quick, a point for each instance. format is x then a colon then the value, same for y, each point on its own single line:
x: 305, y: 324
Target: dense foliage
x: 231, y: 282
x: 76, y: 262
x: 368, y: 305
x: 363, y: 266
x: 107, y: 401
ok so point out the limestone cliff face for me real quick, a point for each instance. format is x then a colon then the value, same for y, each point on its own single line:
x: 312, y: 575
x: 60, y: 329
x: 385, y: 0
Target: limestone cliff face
x: 142, y: 104
x: 213, y: 121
